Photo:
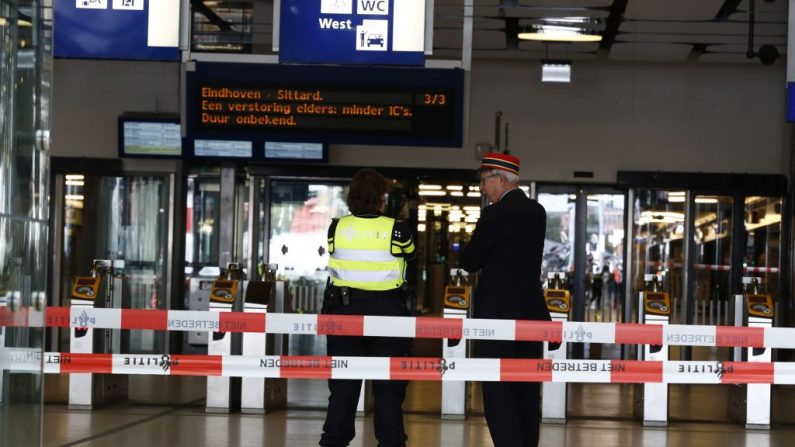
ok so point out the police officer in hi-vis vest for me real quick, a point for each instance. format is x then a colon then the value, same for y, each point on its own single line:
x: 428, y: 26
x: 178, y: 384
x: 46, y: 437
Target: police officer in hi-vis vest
x: 368, y: 253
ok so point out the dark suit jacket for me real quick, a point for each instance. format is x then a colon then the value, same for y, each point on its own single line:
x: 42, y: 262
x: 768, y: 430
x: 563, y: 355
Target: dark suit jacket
x: 506, y: 247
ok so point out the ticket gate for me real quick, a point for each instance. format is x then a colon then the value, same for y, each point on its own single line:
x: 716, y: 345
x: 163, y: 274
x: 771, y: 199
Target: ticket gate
x: 106, y: 287
x: 750, y: 404
x: 198, y: 299
x: 651, y: 399
x: 258, y: 395
x: 226, y: 295
x: 457, y: 301
x: 558, y: 301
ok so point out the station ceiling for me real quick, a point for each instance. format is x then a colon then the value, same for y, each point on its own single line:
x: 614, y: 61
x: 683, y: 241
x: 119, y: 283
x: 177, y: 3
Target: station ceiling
x: 632, y: 30
x: 703, y: 31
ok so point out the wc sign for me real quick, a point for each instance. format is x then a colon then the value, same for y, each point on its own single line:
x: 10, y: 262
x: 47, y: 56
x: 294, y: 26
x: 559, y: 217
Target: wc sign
x: 383, y: 32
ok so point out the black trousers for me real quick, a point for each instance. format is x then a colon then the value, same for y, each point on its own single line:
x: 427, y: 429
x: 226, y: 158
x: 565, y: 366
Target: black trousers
x: 339, y: 430
x: 512, y: 409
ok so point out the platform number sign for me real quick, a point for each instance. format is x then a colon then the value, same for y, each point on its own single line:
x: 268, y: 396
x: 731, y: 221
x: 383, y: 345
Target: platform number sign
x: 137, y: 5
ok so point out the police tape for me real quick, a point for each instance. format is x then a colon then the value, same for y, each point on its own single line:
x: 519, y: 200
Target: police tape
x: 409, y: 368
x: 415, y: 327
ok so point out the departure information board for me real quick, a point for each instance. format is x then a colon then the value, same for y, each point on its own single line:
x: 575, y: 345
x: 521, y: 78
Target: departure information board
x: 384, y: 106
x: 149, y: 135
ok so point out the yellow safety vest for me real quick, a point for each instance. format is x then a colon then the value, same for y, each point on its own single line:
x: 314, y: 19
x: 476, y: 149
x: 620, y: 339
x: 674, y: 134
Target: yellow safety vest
x: 361, y: 254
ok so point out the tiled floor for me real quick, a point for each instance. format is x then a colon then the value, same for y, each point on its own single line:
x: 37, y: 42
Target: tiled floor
x: 169, y: 411
x: 189, y: 426
x: 600, y: 415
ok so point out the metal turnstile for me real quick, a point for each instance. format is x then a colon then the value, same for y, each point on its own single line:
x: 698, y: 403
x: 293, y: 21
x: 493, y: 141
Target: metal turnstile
x: 558, y: 301
x: 457, y: 301
x: 750, y: 404
x: 223, y: 393
x: 651, y: 399
x: 198, y: 298
x: 260, y: 395
x: 107, y: 287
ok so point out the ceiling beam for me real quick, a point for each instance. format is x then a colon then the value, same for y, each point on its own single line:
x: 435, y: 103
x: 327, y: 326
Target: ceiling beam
x: 729, y: 7
x: 613, y: 23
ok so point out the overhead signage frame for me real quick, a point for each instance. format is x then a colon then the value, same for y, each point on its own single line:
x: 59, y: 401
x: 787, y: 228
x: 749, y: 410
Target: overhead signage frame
x: 324, y: 104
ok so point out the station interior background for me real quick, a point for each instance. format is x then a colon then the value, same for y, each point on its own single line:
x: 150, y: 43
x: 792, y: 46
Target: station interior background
x: 668, y: 152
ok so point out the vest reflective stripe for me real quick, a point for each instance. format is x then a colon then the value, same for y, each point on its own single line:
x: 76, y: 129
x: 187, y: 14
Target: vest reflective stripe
x: 374, y: 276
x: 347, y: 254
x: 362, y: 256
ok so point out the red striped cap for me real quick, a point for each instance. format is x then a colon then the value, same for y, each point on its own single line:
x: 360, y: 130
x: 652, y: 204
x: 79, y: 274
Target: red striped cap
x: 495, y: 160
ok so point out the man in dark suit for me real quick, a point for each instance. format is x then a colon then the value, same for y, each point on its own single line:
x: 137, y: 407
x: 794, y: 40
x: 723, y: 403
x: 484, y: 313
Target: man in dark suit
x: 506, y: 247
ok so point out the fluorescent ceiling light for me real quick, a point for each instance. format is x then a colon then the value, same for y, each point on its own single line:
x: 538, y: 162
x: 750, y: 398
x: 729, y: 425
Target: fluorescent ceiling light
x: 457, y: 194
x: 557, y: 33
x: 706, y: 200
x: 455, y: 187
x: 432, y: 187
x: 432, y: 193
x: 676, y: 199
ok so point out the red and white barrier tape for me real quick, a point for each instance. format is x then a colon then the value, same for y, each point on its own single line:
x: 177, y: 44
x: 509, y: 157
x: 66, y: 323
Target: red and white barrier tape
x: 408, y: 368
x: 417, y: 327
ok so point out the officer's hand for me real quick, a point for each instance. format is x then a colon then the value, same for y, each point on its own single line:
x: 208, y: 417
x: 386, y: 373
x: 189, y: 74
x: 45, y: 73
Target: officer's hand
x: 554, y: 345
x: 452, y: 342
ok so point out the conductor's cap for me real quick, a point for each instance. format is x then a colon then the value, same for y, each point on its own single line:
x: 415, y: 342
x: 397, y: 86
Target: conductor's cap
x: 496, y: 160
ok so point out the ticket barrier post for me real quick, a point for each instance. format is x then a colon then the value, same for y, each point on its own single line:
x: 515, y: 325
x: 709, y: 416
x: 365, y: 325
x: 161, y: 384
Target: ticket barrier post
x: 225, y: 296
x: 107, y: 287
x: 258, y: 396
x: 457, y: 300
x: 654, y: 307
x: 750, y: 404
x: 558, y: 301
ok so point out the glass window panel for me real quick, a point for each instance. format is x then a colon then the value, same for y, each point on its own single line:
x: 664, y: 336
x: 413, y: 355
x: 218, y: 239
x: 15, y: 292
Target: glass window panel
x: 25, y: 72
x: 763, y: 243
x: 658, y: 244
x: 202, y: 221
x: 560, y: 234
x: 604, y: 256
x: 712, y: 259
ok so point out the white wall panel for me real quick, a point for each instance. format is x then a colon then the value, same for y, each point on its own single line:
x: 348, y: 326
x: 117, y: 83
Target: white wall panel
x: 89, y: 96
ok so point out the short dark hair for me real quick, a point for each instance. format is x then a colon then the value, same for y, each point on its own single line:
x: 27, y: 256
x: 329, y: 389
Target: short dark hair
x: 367, y: 191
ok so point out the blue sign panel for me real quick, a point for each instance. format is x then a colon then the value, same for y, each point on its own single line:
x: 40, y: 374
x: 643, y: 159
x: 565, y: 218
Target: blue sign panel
x: 367, y: 32
x: 791, y: 102
x: 117, y: 29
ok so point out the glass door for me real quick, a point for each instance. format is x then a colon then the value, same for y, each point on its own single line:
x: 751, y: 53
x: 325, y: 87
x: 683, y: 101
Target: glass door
x: 124, y: 219
x: 762, y: 255
x: 585, y: 240
x: 300, y: 213
x: 24, y: 172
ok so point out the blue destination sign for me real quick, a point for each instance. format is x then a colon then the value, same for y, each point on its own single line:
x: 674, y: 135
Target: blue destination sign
x: 367, y: 32
x: 116, y: 29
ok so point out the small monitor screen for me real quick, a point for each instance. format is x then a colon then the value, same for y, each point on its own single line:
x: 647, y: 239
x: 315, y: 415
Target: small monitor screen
x: 294, y: 151
x: 151, y: 138
x: 222, y: 148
